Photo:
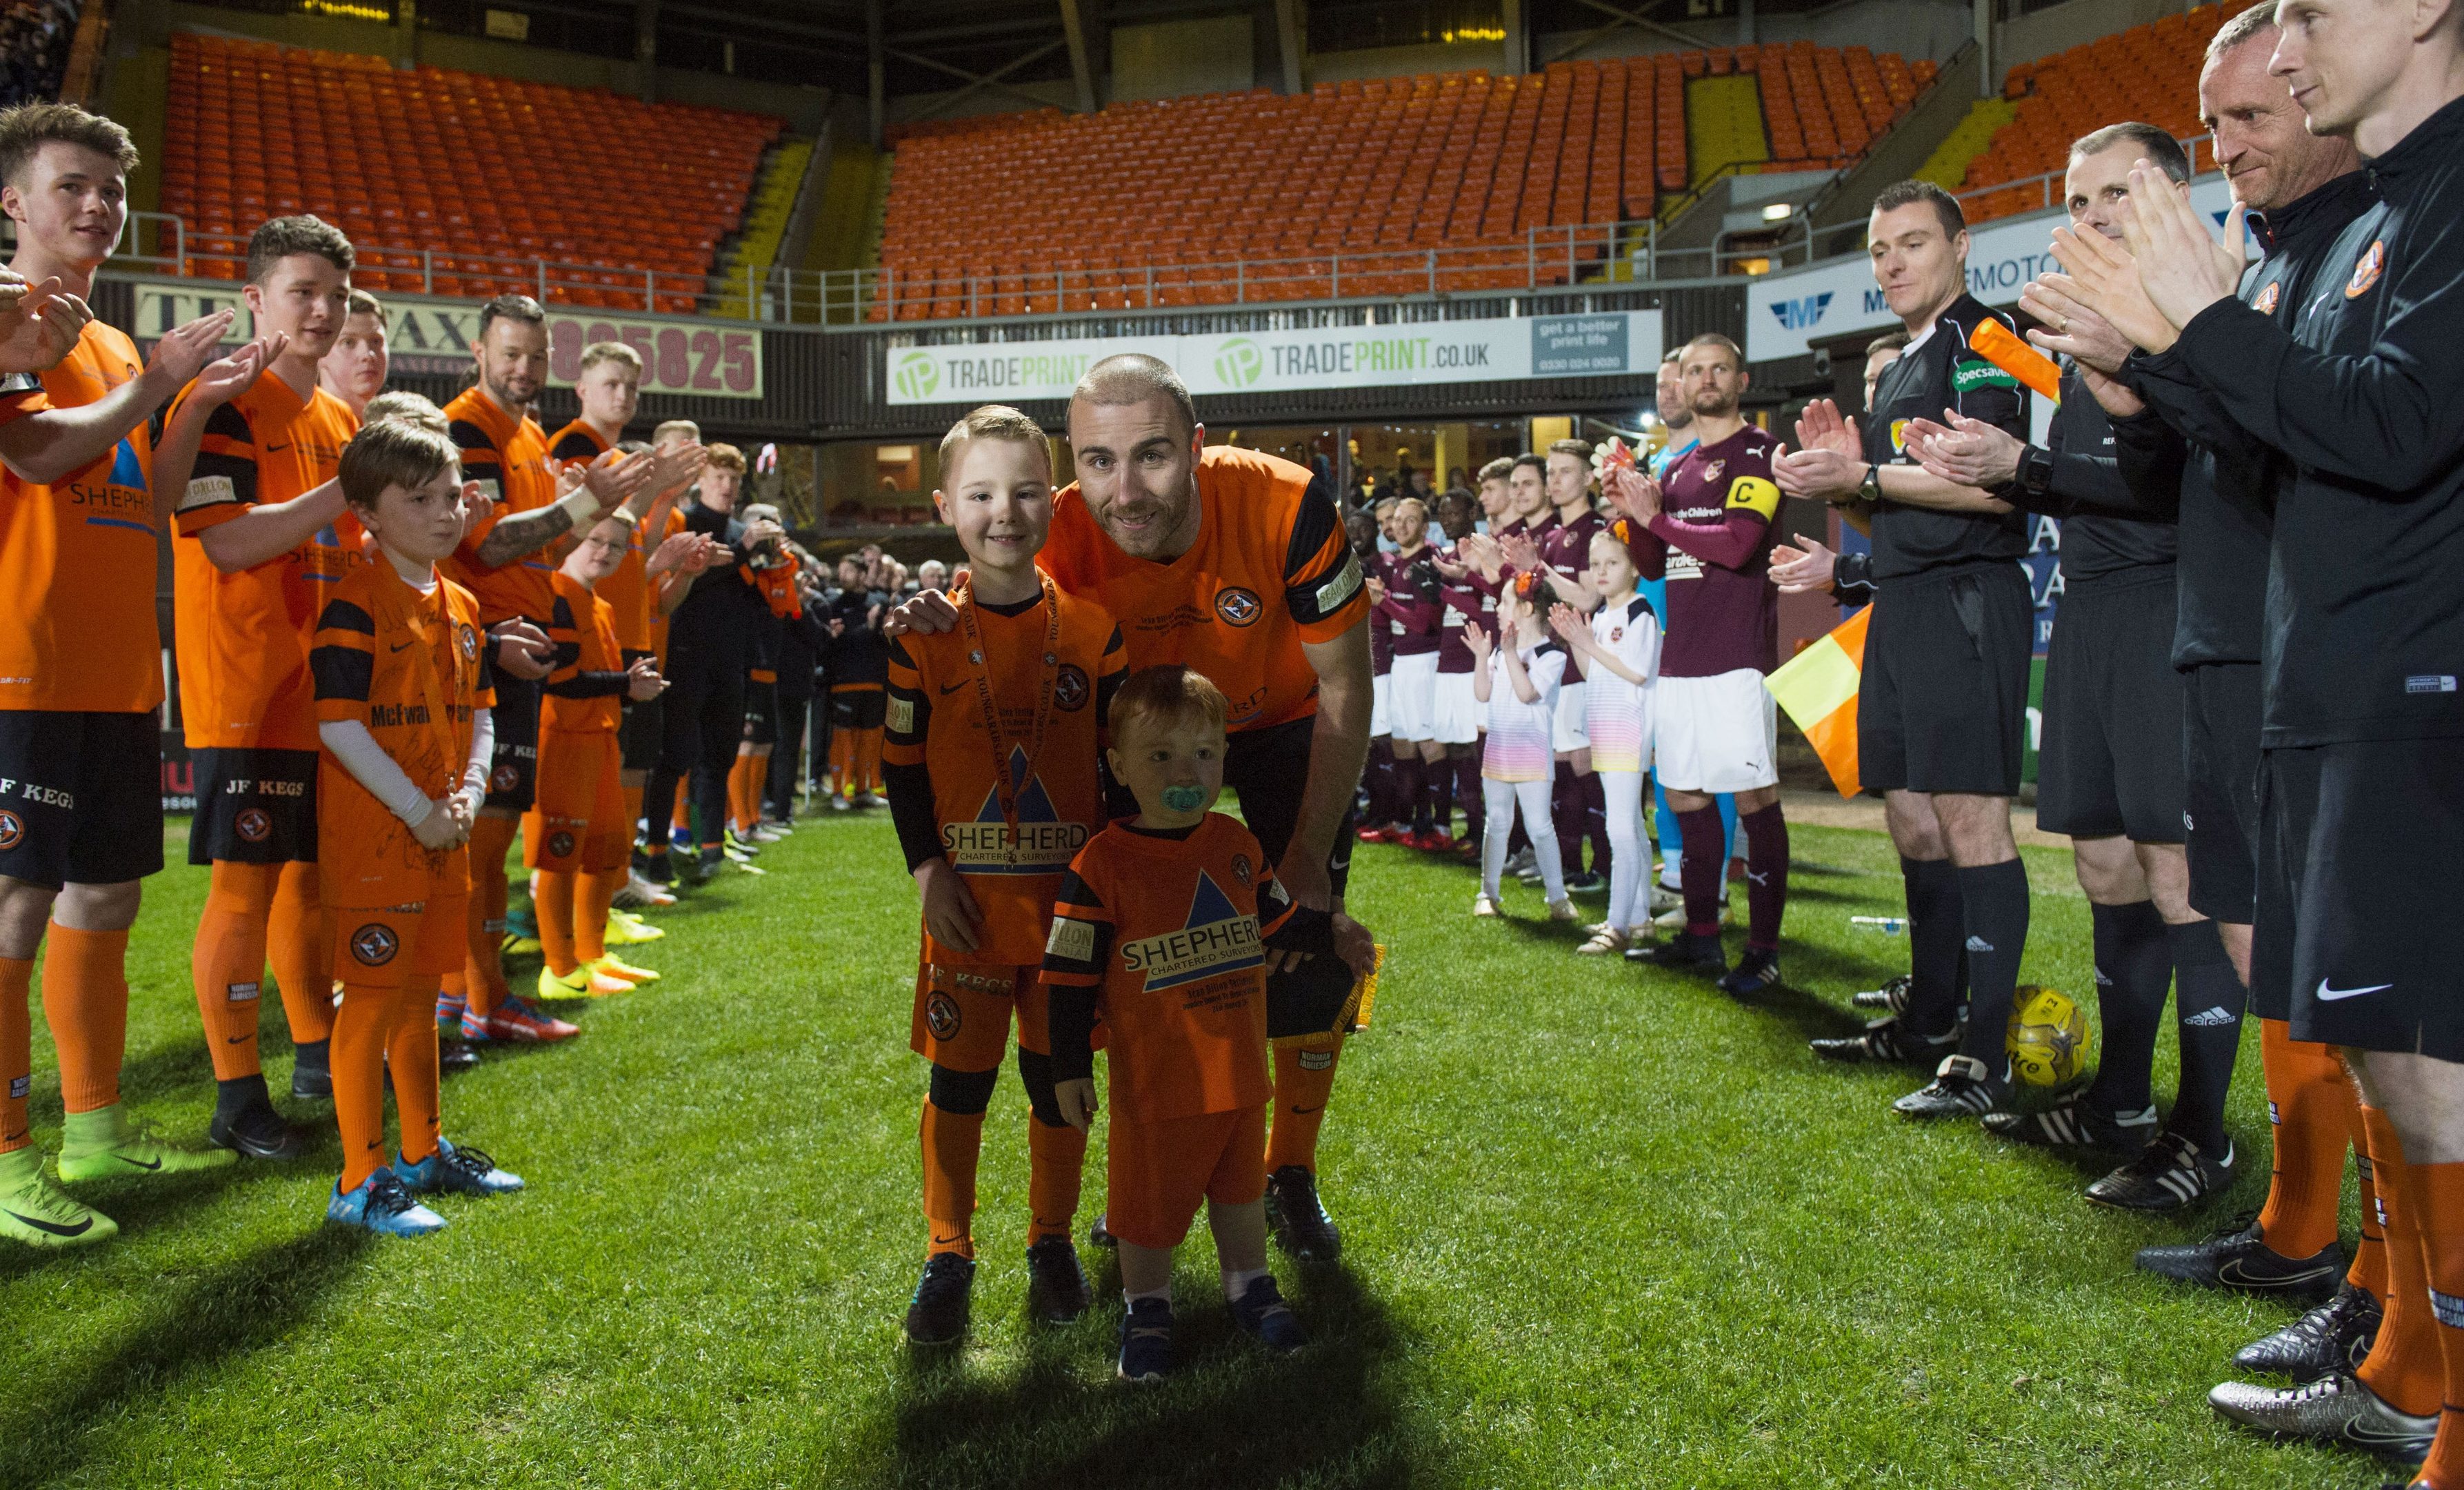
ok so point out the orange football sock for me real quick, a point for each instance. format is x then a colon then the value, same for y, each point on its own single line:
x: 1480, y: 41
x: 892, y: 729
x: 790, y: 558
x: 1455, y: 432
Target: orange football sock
x: 593, y: 895
x: 2369, y: 1269
x: 843, y: 761
x: 952, y: 1141
x: 735, y: 774
x: 410, y: 1046
x: 301, y: 945
x: 683, y: 815
x: 2438, y: 1196
x: 226, y: 963
x: 16, y: 1051
x: 2307, y: 1092
x: 867, y: 751
x: 759, y: 775
x: 552, y: 899
x: 484, y: 969
x: 1304, y: 1076
x: 1056, y: 1168
x: 2405, y: 1366
x: 361, y: 1028
x: 86, y: 1001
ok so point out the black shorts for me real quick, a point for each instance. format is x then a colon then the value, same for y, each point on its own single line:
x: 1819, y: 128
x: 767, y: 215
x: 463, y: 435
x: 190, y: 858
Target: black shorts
x: 1268, y: 770
x: 760, y: 713
x: 512, y: 773
x: 2357, y: 869
x: 855, y: 706
x: 254, y: 807
x: 704, y: 709
x: 2220, y: 723
x: 2107, y: 765
x: 637, y: 739
x: 1943, y: 705
x: 80, y: 796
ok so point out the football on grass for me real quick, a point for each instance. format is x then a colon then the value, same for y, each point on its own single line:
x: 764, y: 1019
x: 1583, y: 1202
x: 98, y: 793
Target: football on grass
x: 2049, y: 1039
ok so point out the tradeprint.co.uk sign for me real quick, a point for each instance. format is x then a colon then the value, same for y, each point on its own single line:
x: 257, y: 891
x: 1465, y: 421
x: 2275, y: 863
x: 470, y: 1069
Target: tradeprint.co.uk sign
x: 1615, y: 343
x: 426, y: 334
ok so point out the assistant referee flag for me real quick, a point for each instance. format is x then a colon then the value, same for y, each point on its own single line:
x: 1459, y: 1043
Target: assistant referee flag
x: 1817, y: 687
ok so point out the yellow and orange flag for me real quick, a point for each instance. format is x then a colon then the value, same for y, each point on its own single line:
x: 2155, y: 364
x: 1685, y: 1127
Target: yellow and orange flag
x: 1817, y: 687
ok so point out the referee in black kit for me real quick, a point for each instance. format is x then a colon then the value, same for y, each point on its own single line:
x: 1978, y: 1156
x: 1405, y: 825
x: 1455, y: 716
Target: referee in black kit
x: 1942, y: 709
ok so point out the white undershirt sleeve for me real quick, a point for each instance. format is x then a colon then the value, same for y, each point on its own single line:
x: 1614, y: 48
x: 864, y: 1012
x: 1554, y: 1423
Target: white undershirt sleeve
x: 371, y: 768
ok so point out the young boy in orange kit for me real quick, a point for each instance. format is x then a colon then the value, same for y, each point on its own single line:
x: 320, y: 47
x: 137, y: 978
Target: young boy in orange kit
x: 1167, y: 927
x: 403, y: 698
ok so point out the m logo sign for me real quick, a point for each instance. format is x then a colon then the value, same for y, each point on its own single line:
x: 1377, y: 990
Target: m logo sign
x: 917, y: 377
x: 1802, y: 314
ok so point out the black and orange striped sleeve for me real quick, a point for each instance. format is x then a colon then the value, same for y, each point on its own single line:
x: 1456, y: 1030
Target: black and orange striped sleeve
x: 575, y: 446
x: 1075, y: 956
x: 343, y: 660
x: 910, y: 718
x: 567, y: 677
x: 914, y: 807
x: 222, y: 484
x: 1322, y: 581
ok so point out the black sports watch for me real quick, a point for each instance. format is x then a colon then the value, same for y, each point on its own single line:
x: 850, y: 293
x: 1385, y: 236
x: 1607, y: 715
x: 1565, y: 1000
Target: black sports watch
x: 1870, y: 489
x: 2035, y: 469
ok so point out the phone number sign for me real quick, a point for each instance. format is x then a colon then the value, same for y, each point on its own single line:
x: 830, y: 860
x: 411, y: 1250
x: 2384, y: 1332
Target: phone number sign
x: 425, y: 334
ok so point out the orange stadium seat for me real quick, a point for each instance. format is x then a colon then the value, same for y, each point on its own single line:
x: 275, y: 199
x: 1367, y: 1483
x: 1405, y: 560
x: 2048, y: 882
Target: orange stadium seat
x: 1386, y: 173
x: 2141, y: 74
x: 468, y: 174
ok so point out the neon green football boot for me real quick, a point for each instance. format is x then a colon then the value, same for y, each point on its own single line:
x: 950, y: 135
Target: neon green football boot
x: 39, y: 1213
x: 105, y: 1145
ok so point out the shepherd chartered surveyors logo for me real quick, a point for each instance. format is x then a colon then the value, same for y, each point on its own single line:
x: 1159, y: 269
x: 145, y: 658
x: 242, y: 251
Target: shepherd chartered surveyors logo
x: 917, y: 376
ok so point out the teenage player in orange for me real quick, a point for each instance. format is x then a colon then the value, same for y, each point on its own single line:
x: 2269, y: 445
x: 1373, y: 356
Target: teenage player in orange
x: 503, y: 561
x: 771, y: 570
x: 259, y: 525
x: 403, y: 701
x: 991, y: 756
x: 355, y: 371
x: 80, y: 675
x: 577, y: 837
x: 1165, y: 927
x: 1236, y: 563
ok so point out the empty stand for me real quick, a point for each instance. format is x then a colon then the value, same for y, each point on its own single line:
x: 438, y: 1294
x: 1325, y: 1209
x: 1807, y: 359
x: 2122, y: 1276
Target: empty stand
x: 1454, y: 182
x: 2141, y: 73
x: 455, y: 183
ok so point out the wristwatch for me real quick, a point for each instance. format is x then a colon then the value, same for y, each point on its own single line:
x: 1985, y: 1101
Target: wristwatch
x: 1870, y: 489
x: 2035, y: 469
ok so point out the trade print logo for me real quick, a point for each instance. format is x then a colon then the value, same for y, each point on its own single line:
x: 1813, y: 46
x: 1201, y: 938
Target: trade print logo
x: 374, y: 945
x: 1240, y: 364
x: 1237, y: 605
x: 1804, y: 314
x: 917, y: 376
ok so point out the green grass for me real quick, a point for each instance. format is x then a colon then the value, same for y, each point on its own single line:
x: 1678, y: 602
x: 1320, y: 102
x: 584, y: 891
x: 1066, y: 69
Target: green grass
x: 1603, y: 1228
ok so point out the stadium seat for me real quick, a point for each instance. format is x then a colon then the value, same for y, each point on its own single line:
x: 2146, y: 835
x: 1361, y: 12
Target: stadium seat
x: 464, y: 164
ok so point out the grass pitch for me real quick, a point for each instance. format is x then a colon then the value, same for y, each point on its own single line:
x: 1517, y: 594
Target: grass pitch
x: 1603, y: 1226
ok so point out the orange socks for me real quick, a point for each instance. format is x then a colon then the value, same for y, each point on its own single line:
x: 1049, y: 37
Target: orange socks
x: 2307, y: 1091
x: 484, y: 969
x: 301, y: 950
x: 16, y: 1050
x: 226, y: 965
x: 2438, y: 1196
x: 593, y: 895
x: 1056, y: 1163
x: 86, y: 1001
x: 843, y: 761
x: 952, y: 1141
x: 2405, y: 1368
x: 361, y: 1028
x: 740, y: 795
x: 1304, y: 1075
x: 412, y: 1049
x: 867, y: 759
x: 2369, y: 1269
x: 552, y: 903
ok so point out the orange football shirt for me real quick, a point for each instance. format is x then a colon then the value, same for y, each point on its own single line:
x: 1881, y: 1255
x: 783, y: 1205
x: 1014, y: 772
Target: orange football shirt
x: 412, y: 668
x: 628, y: 590
x: 1270, y: 572
x: 935, y: 719
x: 581, y: 627
x: 76, y: 557
x: 243, y: 638
x: 508, y: 457
x: 1171, y: 934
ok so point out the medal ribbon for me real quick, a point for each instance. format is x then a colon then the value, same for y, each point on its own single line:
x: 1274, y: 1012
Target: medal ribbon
x: 1005, y: 788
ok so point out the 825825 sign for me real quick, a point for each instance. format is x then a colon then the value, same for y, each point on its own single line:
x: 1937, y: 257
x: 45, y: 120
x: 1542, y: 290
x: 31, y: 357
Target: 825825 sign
x: 676, y: 357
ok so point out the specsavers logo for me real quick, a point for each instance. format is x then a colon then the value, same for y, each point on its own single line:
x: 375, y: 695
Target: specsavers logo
x: 1240, y: 364
x: 917, y: 376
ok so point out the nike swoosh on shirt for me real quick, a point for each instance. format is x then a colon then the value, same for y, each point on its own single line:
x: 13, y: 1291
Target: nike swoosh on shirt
x: 951, y: 688
x: 2328, y: 996
x: 53, y: 1227
x: 398, y: 646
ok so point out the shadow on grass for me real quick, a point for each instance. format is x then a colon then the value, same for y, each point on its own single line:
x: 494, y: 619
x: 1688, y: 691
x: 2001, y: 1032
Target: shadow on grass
x: 1230, y: 1416
x: 244, y: 1305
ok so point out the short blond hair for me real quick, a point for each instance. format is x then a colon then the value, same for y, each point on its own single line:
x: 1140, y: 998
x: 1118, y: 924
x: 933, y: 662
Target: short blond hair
x: 1581, y: 450
x: 690, y: 431
x: 598, y: 353
x: 401, y: 406
x: 1171, y: 694
x: 363, y: 303
x: 994, y: 422
x: 1502, y: 469
x: 727, y: 457
x: 393, y: 453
